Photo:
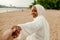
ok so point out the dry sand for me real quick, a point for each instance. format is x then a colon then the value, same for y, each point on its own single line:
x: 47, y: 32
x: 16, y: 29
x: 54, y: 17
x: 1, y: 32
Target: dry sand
x: 8, y: 19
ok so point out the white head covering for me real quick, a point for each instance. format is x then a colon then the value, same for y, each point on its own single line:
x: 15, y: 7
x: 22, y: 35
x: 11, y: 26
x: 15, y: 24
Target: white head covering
x: 40, y: 9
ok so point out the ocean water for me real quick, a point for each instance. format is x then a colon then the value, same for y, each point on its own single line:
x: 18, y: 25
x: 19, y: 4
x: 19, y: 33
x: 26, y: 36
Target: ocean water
x: 2, y: 10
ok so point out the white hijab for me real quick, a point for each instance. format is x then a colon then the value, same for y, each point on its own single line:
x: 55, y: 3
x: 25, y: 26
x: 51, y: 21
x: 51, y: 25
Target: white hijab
x: 40, y: 9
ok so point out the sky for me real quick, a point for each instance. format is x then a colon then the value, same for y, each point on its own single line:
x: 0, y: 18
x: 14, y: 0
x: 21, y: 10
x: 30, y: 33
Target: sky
x: 17, y: 3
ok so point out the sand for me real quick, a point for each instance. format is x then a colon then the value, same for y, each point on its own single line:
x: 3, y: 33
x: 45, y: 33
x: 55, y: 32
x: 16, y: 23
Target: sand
x: 8, y: 19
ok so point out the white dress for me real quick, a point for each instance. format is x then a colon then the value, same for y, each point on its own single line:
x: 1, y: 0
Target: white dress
x: 36, y: 30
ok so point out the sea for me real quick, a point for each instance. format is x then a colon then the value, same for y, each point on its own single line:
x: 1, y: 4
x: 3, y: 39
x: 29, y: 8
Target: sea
x: 8, y: 9
x: 2, y: 10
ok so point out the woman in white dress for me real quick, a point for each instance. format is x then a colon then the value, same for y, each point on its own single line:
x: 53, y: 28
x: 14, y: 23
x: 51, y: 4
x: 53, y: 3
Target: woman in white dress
x: 38, y: 29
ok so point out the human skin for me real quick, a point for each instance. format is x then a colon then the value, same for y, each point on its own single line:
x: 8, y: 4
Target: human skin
x: 34, y: 12
x: 11, y: 34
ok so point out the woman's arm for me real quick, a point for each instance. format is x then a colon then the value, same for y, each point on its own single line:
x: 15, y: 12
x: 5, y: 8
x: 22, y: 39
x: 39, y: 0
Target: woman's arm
x: 6, y: 34
x: 12, y: 33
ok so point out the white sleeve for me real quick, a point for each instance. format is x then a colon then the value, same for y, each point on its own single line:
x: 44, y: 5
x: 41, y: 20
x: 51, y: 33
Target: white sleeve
x: 23, y: 35
x: 31, y: 27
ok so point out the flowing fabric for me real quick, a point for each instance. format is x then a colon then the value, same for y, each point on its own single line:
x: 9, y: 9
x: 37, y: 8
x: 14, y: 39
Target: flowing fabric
x: 38, y: 29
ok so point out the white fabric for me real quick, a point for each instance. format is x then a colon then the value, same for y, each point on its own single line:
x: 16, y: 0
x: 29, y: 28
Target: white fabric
x: 37, y: 29
x: 40, y: 9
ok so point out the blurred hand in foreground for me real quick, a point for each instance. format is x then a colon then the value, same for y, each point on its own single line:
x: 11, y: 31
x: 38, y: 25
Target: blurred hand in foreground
x: 12, y: 33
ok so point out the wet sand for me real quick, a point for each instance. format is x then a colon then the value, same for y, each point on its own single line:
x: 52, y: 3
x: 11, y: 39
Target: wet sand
x: 8, y: 19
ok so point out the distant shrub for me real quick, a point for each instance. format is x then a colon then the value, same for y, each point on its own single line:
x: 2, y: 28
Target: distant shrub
x: 48, y: 4
x: 34, y: 3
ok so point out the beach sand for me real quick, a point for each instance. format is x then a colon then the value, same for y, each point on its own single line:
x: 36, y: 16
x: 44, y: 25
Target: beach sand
x: 8, y: 19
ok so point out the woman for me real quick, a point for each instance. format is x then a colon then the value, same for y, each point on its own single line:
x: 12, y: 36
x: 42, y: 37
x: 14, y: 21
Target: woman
x: 38, y: 29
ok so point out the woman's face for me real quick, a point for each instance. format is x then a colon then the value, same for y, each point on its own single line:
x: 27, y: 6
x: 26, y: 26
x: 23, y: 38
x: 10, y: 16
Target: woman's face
x: 34, y: 12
